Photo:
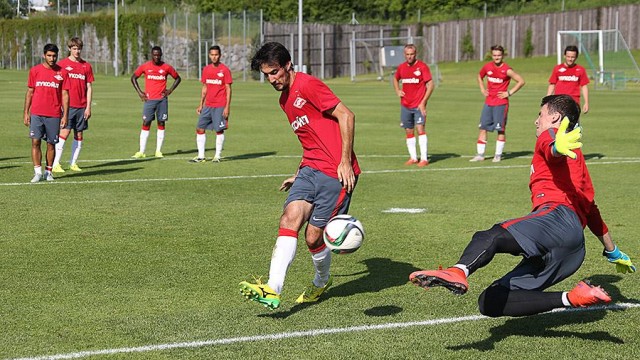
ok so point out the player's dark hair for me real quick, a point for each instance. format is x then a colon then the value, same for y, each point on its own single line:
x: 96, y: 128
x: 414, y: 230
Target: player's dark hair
x: 563, y: 105
x: 271, y: 53
x: 75, y: 41
x: 50, y: 47
x: 498, y: 48
x: 215, y: 47
x: 571, y: 48
x: 158, y: 48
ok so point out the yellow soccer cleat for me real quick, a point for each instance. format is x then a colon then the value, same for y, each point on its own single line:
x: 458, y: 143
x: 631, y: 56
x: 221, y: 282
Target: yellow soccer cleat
x: 139, y: 155
x: 57, y: 169
x: 159, y: 154
x: 75, y: 167
x: 312, y: 293
x: 261, y: 293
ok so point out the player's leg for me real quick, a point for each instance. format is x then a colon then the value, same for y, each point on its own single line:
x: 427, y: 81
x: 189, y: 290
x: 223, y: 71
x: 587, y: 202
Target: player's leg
x: 205, y: 122
x: 163, y: 116
x: 219, y: 125
x: 75, y: 151
x: 408, y: 124
x: 148, y: 116
x: 52, y: 129
x: 64, y: 133
x: 422, y: 141
x: 486, y: 121
x: 36, y: 133
x: 500, y: 114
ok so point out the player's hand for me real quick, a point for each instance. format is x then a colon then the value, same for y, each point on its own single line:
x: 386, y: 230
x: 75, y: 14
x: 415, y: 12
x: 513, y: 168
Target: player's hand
x: 400, y: 93
x: 287, y: 183
x: 622, y: 260
x: 87, y: 113
x: 566, y: 142
x: 27, y: 120
x: 63, y: 122
x: 346, y: 176
x: 142, y: 96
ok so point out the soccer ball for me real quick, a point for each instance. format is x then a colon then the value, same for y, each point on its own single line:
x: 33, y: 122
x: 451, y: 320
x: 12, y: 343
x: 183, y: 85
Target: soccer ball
x: 343, y: 234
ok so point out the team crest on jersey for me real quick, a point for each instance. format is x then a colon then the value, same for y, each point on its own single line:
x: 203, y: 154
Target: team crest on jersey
x: 299, y: 102
x: 161, y: 71
x: 417, y: 72
x: 220, y: 74
x: 58, y: 77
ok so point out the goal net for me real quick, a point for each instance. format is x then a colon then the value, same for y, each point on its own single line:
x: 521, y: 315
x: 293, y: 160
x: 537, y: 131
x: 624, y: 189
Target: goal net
x: 605, y: 53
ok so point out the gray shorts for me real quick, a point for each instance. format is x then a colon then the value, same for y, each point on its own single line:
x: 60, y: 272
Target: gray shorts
x: 552, y: 238
x: 211, y: 119
x: 155, y: 109
x: 494, y: 118
x: 43, y: 127
x: 326, y: 194
x: 77, y: 121
x: 409, y: 118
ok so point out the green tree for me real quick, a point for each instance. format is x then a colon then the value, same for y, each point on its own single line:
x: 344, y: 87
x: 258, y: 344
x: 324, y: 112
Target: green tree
x: 6, y: 10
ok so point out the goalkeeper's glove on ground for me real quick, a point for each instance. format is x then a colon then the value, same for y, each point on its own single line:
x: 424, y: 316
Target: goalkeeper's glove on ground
x: 567, y: 141
x: 622, y: 260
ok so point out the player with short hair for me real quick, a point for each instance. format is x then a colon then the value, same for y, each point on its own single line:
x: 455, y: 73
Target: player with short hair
x: 215, y: 102
x: 46, y: 107
x: 155, y: 97
x: 570, y: 78
x: 325, y: 180
x: 80, y: 77
x: 417, y: 87
x: 496, y: 104
x: 550, y: 238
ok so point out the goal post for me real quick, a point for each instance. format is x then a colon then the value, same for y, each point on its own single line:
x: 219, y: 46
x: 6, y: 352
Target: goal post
x: 604, y: 52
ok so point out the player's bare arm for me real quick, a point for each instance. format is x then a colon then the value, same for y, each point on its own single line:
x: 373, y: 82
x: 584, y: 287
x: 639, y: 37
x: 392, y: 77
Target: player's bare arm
x: 551, y: 89
x: 168, y: 92
x: 134, y: 82
x: 585, y: 96
x: 87, y: 110
x: 483, y: 90
x: 203, y: 96
x: 396, y: 86
x: 27, y: 107
x: 346, y: 120
x: 65, y: 108
x: 425, y: 99
x: 227, y: 106
x: 519, y: 84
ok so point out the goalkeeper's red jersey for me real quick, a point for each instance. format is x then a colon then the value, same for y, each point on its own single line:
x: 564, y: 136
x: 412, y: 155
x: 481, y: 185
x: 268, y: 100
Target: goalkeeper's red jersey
x: 561, y: 180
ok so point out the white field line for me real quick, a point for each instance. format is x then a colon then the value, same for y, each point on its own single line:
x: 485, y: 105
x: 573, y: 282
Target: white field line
x: 236, y: 177
x: 294, y: 334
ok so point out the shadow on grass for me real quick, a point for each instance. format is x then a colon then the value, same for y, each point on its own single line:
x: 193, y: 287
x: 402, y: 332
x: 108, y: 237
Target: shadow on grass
x: 13, y: 158
x: 515, y: 154
x: 8, y: 167
x: 73, y: 175
x: 118, y: 163
x: 227, y: 158
x: 440, y: 157
x: 542, y: 325
x: 593, y: 156
x: 381, y: 273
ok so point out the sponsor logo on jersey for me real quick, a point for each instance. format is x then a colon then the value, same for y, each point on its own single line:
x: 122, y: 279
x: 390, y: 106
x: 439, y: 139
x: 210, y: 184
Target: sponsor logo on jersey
x: 77, y: 76
x: 299, y: 122
x: 68, y: 68
x: 156, y: 77
x: 489, y: 72
x: 299, y: 102
x: 411, y: 81
x: 562, y: 69
x: 214, y: 81
x: 494, y: 80
x: 568, y: 78
x: 50, y: 84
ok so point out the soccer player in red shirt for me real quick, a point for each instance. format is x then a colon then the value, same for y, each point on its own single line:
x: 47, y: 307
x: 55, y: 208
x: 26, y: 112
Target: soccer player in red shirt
x: 155, y: 97
x: 80, y: 77
x: 550, y: 238
x: 46, y: 107
x: 326, y: 176
x: 570, y: 78
x: 215, y: 102
x: 417, y: 87
x: 496, y: 104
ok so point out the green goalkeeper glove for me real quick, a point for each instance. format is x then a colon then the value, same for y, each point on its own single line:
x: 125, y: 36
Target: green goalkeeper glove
x: 565, y: 142
x: 622, y: 260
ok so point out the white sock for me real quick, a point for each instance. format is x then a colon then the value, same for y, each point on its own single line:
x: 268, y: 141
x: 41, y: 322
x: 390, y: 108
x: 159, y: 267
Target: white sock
x: 144, y: 135
x: 500, y: 147
x: 283, y: 254
x: 322, y: 263
x: 219, y: 144
x: 201, y: 141
x: 411, y: 146
x: 422, y: 141
x: 37, y: 170
x: 75, y: 150
x: 463, y: 268
x: 160, y: 140
x: 480, y: 147
x: 565, y: 299
x: 59, y: 150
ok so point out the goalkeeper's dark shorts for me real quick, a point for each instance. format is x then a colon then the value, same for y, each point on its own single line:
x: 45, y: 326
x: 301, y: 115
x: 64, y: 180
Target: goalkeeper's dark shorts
x: 552, y: 238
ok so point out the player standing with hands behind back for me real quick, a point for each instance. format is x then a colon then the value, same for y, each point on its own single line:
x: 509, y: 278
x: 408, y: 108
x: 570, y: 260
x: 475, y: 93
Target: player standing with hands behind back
x: 155, y: 98
x: 324, y: 181
x: 417, y: 86
x: 496, y: 103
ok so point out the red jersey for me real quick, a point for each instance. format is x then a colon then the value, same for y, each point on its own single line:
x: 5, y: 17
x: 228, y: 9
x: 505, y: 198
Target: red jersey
x: 155, y: 80
x: 414, y: 79
x: 79, y: 74
x: 561, y: 180
x: 216, y: 78
x: 47, y: 85
x: 569, y: 80
x: 497, y: 80
x: 304, y: 104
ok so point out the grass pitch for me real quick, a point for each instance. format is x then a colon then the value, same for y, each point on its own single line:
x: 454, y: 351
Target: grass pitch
x: 142, y: 259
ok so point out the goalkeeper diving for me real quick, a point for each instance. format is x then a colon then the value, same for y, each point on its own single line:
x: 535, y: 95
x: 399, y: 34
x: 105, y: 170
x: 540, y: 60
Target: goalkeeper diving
x: 550, y: 238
